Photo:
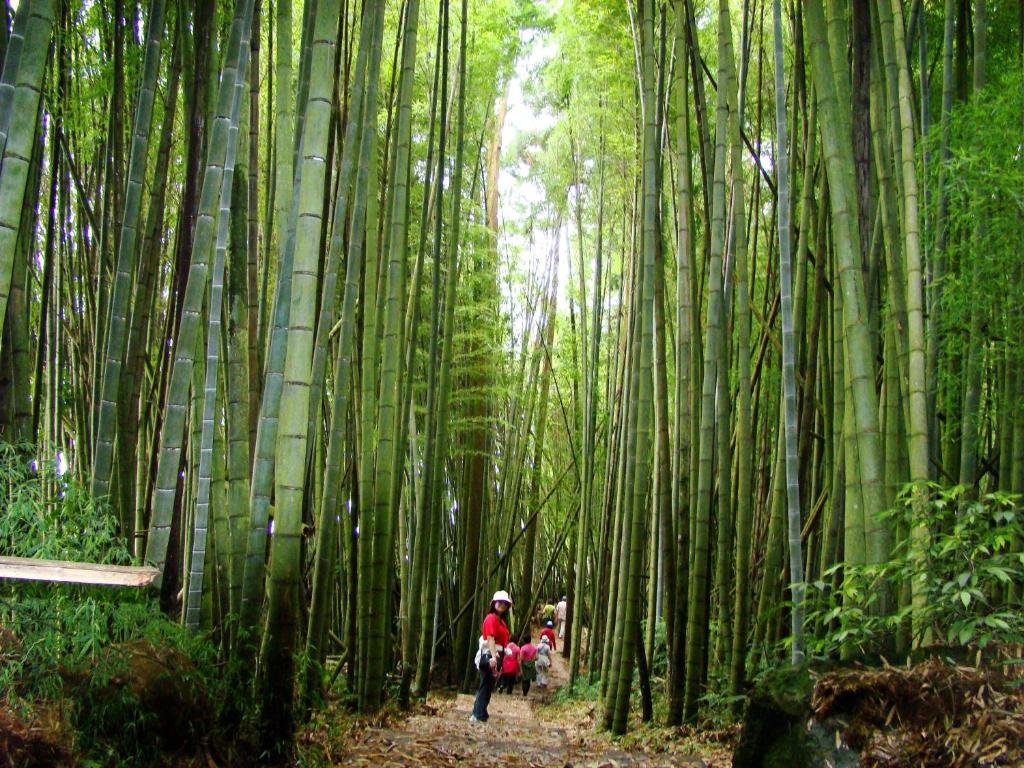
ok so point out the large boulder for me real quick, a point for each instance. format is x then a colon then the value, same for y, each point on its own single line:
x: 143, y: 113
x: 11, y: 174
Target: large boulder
x: 774, y: 733
x: 778, y: 731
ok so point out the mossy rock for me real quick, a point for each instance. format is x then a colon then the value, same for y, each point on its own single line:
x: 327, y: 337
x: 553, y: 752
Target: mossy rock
x: 774, y: 733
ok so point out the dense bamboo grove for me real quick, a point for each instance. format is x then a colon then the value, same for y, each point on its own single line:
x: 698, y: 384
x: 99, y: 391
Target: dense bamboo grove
x: 347, y: 347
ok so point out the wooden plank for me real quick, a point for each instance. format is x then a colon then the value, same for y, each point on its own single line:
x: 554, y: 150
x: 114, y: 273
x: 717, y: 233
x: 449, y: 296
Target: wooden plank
x: 31, y: 569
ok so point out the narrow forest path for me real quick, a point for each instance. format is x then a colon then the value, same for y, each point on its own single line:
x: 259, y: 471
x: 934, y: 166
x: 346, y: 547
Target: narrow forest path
x: 521, y: 733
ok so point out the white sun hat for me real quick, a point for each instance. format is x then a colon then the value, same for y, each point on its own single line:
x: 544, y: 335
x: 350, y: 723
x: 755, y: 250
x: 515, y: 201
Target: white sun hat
x: 501, y: 596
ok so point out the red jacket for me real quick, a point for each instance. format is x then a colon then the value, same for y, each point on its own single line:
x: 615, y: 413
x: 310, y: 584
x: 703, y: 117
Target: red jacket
x: 510, y: 661
x: 550, y: 635
x: 494, y: 626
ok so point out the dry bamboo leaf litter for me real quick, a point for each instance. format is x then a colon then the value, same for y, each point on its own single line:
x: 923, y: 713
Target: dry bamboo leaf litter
x: 931, y: 714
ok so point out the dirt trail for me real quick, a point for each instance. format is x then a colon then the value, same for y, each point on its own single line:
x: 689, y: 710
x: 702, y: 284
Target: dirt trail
x: 519, y: 734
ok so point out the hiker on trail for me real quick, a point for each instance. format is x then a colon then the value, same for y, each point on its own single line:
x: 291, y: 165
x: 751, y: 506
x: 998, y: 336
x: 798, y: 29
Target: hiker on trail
x: 549, y: 632
x: 543, y: 662
x: 560, y: 612
x: 527, y: 663
x: 547, y: 613
x: 509, y: 669
x: 494, y: 637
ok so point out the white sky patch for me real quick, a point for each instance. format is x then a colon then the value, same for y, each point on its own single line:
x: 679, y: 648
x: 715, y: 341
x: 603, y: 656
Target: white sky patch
x: 525, y: 249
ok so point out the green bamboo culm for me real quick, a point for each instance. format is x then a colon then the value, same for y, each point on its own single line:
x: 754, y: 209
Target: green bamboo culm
x: 214, y: 340
x: 442, y: 422
x: 132, y: 373
x: 365, y: 223
x: 740, y: 610
x: 414, y: 577
x: 867, y: 539
x: 685, y: 369
x: 127, y: 259
x: 412, y: 646
x: 363, y: 516
x: 237, y: 381
x: 635, y: 536
x: 9, y: 71
x: 713, y: 343
x: 286, y: 179
x: 186, y: 345
x: 283, y: 607
x: 920, y: 468
x: 788, y: 343
x: 28, y: 60
x: 355, y: 162
x: 591, y: 366
x: 399, y: 244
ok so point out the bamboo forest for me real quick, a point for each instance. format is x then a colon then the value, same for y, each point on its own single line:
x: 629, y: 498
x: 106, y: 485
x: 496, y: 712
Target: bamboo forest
x: 679, y: 342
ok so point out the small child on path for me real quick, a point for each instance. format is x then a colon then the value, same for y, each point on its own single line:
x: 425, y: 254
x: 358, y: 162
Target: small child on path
x: 527, y: 664
x: 549, y: 633
x: 543, y: 661
x: 509, y: 668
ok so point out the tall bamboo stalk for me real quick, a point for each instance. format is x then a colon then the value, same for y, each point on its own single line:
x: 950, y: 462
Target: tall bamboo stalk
x: 127, y: 258
x: 283, y: 607
x: 796, y: 569
x: 216, y: 190
x: 18, y: 136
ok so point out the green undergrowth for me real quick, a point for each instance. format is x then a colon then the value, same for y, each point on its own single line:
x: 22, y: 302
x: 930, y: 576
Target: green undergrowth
x: 965, y: 565
x: 98, y: 675
x: 583, y: 690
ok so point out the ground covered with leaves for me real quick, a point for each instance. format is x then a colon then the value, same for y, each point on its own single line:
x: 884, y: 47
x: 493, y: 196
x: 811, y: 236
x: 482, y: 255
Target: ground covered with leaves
x: 162, y: 705
x: 547, y: 728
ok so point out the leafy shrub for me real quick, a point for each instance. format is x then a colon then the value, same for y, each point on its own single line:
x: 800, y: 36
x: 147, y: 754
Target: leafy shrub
x: 132, y: 683
x: 584, y: 690
x: 965, y: 563
x: 52, y: 516
x: 657, y: 665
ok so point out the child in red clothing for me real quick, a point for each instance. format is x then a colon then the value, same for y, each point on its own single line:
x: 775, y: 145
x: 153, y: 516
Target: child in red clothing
x: 549, y: 633
x: 509, y: 668
x: 528, y: 664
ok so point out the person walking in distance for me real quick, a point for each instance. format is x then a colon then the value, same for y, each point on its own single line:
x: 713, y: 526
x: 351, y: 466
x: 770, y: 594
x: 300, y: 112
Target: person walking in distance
x: 560, y: 613
x: 494, y: 636
x: 527, y: 663
x: 543, y: 661
x: 509, y: 669
x: 547, y: 613
x: 549, y: 632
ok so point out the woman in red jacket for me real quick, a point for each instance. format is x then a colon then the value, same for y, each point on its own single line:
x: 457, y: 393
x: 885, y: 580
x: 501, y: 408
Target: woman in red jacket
x: 494, y: 636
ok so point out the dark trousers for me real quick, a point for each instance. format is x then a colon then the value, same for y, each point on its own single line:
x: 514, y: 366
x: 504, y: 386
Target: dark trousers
x: 507, y: 682
x: 526, y: 686
x: 483, y: 691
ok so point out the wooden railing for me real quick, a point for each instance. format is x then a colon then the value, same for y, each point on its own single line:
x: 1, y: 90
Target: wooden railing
x: 31, y: 569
